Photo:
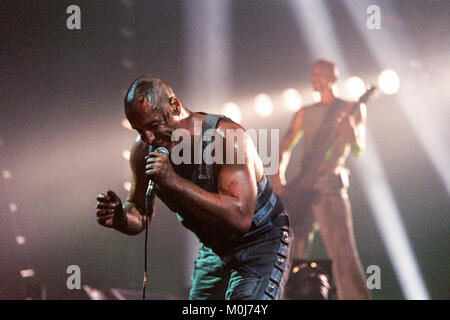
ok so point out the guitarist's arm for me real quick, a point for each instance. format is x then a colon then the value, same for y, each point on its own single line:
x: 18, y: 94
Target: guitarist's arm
x: 359, y: 144
x: 289, y: 141
x: 353, y: 128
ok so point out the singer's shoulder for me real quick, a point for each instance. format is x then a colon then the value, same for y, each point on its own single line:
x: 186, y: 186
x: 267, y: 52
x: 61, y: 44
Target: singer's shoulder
x: 138, y: 149
x: 227, y: 124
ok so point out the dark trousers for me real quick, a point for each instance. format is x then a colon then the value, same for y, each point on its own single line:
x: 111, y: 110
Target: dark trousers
x: 257, y: 270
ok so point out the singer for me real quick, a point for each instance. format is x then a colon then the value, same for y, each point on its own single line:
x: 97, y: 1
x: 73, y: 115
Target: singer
x: 243, y: 229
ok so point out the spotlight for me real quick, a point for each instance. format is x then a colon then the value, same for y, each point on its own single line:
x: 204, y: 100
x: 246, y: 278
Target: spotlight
x: 127, y: 63
x: 310, y: 280
x: 291, y: 99
x: 27, y: 273
x: 232, y: 111
x: 355, y: 88
x: 20, y: 240
x: 126, y: 124
x: 127, y: 33
x: 94, y: 294
x: 6, y: 174
x: 13, y: 207
x: 263, y: 105
x: 126, y: 154
x: 316, y: 96
x: 335, y: 90
x: 127, y: 185
x: 389, y: 81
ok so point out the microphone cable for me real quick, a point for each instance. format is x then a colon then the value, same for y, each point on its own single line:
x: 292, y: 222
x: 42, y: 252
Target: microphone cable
x: 144, y: 283
x: 147, y: 213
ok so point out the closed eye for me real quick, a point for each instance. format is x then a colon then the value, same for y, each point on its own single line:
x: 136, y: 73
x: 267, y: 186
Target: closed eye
x: 153, y: 125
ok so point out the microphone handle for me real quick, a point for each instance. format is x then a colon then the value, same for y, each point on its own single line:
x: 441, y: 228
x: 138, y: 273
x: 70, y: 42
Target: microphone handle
x: 151, y: 183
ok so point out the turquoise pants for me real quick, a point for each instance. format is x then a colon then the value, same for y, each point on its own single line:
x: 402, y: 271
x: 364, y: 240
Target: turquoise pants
x: 257, y: 270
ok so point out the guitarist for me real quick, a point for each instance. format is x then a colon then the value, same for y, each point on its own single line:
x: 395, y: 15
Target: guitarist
x: 330, y: 206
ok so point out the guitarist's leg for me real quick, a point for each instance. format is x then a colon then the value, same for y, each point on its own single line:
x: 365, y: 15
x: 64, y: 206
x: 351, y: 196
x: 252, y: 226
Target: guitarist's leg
x: 336, y: 228
x: 302, y: 226
x: 303, y: 237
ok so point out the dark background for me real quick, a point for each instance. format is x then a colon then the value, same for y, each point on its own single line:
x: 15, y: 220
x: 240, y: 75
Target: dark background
x: 62, y: 139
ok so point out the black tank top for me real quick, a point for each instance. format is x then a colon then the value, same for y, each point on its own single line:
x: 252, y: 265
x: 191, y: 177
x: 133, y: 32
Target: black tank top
x: 268, y: 205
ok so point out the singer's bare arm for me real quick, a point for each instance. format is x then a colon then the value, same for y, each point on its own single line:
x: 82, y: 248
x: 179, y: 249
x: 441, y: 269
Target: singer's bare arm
x: 230, y: 210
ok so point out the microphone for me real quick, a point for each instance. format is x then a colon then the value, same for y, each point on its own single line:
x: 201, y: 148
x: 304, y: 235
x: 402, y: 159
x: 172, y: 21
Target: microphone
x: 151, y: 183
x: 148, y: 194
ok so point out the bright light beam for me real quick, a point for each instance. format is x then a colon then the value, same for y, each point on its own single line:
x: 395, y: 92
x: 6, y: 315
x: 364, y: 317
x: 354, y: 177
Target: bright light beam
x: 389, y: 224
x: 208, y: 59
x: 378, y: 191
x: 315, y: 24
x: 208, y: 51
x: 415, y: 104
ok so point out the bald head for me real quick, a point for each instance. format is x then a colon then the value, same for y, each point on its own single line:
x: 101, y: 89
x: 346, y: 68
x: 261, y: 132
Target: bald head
x: 327, y: 66
x: 147, y: 90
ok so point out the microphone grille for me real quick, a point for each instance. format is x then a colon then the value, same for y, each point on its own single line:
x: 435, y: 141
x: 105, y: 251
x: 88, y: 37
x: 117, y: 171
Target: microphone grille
x: 162, y: 150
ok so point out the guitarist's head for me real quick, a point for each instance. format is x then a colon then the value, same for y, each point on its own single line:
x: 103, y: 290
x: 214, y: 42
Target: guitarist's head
x: 324, y: 75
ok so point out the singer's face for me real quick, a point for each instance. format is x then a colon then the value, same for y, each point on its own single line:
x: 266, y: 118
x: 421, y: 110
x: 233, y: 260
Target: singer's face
x: 154, y: 125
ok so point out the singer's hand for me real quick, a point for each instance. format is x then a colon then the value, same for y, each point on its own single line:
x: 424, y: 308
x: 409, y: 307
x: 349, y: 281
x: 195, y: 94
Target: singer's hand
x: 110, y: 213
x: 159, y: 169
